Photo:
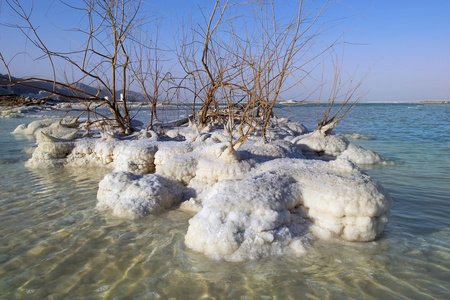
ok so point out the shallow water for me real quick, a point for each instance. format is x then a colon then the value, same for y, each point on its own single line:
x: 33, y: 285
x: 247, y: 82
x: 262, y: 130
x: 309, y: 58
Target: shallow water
x: 55, y: 245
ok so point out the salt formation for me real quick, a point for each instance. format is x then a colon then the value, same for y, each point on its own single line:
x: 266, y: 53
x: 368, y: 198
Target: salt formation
x: 34, y: 126
x: 21, y: 111
x: 133, y: 196
x: 276, y: 209
x: 315, y: 143
x: 264, y: 199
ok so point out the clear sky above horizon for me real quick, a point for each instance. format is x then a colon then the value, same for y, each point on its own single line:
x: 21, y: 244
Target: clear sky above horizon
x: 406, y: 43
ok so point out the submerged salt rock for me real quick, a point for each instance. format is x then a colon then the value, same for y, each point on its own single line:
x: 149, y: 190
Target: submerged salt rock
x: 50, y: 154
x: 273, y: 211
x: 317, y: 143
x: 356, y: 136
x: 133, y: 196
x: 361, y: 156
x: 341, y: 201
x: 31, y: 128
x: 250, y: 218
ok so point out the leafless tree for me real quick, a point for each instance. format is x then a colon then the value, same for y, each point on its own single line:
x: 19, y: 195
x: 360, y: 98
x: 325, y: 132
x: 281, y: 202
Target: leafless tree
x: 150, y: 74
x: 103, y: 58
x: 249, y: 57
x: 237, y: 62
x: 343, y: 95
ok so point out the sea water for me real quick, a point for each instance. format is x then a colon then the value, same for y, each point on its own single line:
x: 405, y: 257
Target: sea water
x: 55, y: 245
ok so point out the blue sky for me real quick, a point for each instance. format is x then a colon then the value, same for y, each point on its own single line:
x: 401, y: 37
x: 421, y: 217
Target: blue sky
x: 409, y: 44
x: 406, y: 43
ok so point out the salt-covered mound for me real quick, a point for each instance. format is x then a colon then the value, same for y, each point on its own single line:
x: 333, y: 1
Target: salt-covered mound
x: 317, y: 143
x: 135, y: 156
x: 206, y: 165
x: 142, y: 155
x: 342, y: 201
x: 250, y: 218
x: 275, y: 211
x: 30, y: 129
x: 264, y: 199
x: 18, y: 112
x: 50, y: 153
x: 132, y: 196
x: 356, y: 136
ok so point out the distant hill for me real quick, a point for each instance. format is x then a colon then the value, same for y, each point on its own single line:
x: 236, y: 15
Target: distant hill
x: 42, y: 85
x: 22, y: 90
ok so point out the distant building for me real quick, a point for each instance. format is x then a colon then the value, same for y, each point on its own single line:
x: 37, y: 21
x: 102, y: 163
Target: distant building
x: 42, y: 94
x: 129, y: 98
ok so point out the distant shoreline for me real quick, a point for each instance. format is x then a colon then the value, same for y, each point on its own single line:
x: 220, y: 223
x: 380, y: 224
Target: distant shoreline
x: 435, y: 101
x: 19, y: 100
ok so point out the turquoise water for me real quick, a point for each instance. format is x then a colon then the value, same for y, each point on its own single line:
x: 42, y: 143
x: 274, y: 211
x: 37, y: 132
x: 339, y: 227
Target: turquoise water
x: 55, y: 245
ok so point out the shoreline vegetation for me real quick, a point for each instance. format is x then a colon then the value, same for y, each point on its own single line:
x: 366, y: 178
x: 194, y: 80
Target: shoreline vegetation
x: 234, y: 71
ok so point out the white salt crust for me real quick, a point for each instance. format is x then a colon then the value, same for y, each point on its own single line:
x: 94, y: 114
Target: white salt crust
x: 277, y: 209
x: 264, y: 199
x: 315, y: 143
x: 133, y: 196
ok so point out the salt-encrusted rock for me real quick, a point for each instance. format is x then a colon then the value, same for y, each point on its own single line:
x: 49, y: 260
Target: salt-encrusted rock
x: 316, y: 143
x: 133, y: 196
x: 181, y: 168
x: 169, y: 149
x: 137, y: 157
x: 251, y: 218
x: 50, y: 154
x: 31, y: 128
x: 276, y: 210
x: 265, y: 199
x: 275, y: 149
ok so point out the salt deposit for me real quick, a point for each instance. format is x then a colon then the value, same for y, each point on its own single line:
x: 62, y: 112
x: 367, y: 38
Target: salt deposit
x: 262, y: 199
x: 17, y: 112
x: 31, y: 128
x: 357, y: 136
x: 317, y: 144
x: 250, y: 218
x: 285, y: 200
x: 132, y: 196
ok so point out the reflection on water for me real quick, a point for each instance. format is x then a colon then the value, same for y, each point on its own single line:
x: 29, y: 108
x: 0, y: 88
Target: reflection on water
x: 55, y: 245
